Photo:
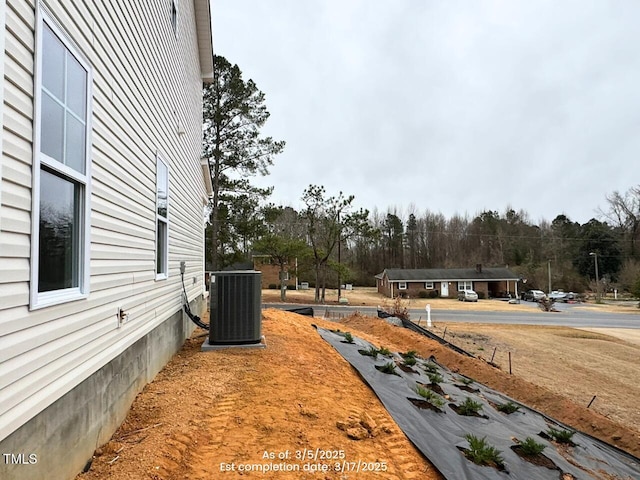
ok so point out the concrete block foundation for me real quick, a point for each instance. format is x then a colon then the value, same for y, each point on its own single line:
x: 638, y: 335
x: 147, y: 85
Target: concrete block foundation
x: 59, y: 441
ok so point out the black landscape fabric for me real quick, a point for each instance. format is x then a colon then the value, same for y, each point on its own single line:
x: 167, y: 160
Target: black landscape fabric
x: 440, y: 435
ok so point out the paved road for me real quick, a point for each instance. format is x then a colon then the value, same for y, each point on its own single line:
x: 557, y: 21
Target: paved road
x: 568, y: 316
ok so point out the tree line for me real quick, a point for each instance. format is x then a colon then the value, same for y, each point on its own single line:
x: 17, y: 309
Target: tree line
x: 335, y: 243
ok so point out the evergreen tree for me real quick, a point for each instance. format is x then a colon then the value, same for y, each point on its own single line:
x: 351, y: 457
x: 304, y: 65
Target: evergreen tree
x: 234, y: 111
x: 598, y: 237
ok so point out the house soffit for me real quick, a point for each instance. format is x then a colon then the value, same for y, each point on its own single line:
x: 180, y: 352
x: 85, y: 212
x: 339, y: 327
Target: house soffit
x: 202, y: 9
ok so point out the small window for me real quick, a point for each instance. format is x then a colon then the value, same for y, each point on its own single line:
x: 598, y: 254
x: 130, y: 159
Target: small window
x: 402, y: 285
x: 174, y: 17
x: 465, y: 285
x: 61, y: 177
x: 162, y: 219
x: 428, y: 285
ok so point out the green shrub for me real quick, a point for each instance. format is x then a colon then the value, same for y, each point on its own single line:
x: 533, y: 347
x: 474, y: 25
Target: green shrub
x: 273, y: 286
x: 560, y: 436
x: 348, y: 337
x: 384, y: 351
x: 370, y: 352
x: 291, y: 287
x: 410, y: 361
x: 435, y: 377
x: 508, y: 407
x: 531, y: 448
x: 423, y: 294
x: 481, y: 453
x: 431, y: 367
x: 469, y: 407
x: 430, y: 396
x: 389, y: 367
x: 433, y: 294
x: 409, y: 358
x: 481, y: 295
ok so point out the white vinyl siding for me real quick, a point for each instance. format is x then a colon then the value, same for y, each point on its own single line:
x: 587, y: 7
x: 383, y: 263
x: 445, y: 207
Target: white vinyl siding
x: 144, y: 83
x: 2, y: 15
x: 465, y: 285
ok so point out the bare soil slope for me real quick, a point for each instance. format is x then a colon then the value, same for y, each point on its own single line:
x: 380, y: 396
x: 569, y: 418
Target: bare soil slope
x: 209, y: 412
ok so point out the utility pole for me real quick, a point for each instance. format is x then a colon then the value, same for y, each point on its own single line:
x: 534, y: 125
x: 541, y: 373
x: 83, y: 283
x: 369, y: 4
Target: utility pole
x: 339, y: 264
x: 595, y: 255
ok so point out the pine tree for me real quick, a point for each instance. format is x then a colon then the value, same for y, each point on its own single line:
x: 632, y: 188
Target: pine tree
x: 234, y: 111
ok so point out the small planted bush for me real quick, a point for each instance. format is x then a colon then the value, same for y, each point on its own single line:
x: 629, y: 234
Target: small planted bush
x: 348, y: 337
x: 431, y: 367
x: 465, y: 380
x: 435, y: 377
x: 531, y: 451
x: 531, y: 448
x: 388, y: 367
x: 508, y: 408
x: 384, y: 351
x: 410, y: 361
x: 430, y: 396
x: 481, y: 453
x: 560, y: 436
x: 369, y: 352
x: 469, y: 407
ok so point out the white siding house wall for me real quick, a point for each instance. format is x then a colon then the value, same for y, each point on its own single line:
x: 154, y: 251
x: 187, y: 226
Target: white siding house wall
x: 2, y: 15
x: 146, y: 95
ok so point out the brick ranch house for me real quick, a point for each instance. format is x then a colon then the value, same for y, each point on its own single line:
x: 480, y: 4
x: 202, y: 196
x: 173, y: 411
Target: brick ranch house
x: 447, y: 282
x: 271, y: 270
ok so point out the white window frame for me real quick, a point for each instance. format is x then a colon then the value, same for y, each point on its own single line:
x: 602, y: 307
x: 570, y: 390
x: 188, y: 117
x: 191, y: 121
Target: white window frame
x: 402, y: 285
x: 164, y: 274
x: 55, y: 297
x: 428, y: 285
x: 465, y: 285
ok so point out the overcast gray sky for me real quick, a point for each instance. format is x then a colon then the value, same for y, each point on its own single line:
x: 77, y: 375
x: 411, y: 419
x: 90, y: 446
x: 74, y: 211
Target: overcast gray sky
x: 452, y: 106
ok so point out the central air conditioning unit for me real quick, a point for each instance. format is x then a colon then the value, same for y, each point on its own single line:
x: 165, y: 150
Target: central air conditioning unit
x: 235, y: 308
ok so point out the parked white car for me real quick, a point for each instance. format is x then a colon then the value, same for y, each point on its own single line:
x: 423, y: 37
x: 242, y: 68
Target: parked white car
x: 558, y: 296
x: 533, y: 295
x: 467, y: 296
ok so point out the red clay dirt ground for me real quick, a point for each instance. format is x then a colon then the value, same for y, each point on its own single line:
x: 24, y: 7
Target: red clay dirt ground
x: 209, y: 414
